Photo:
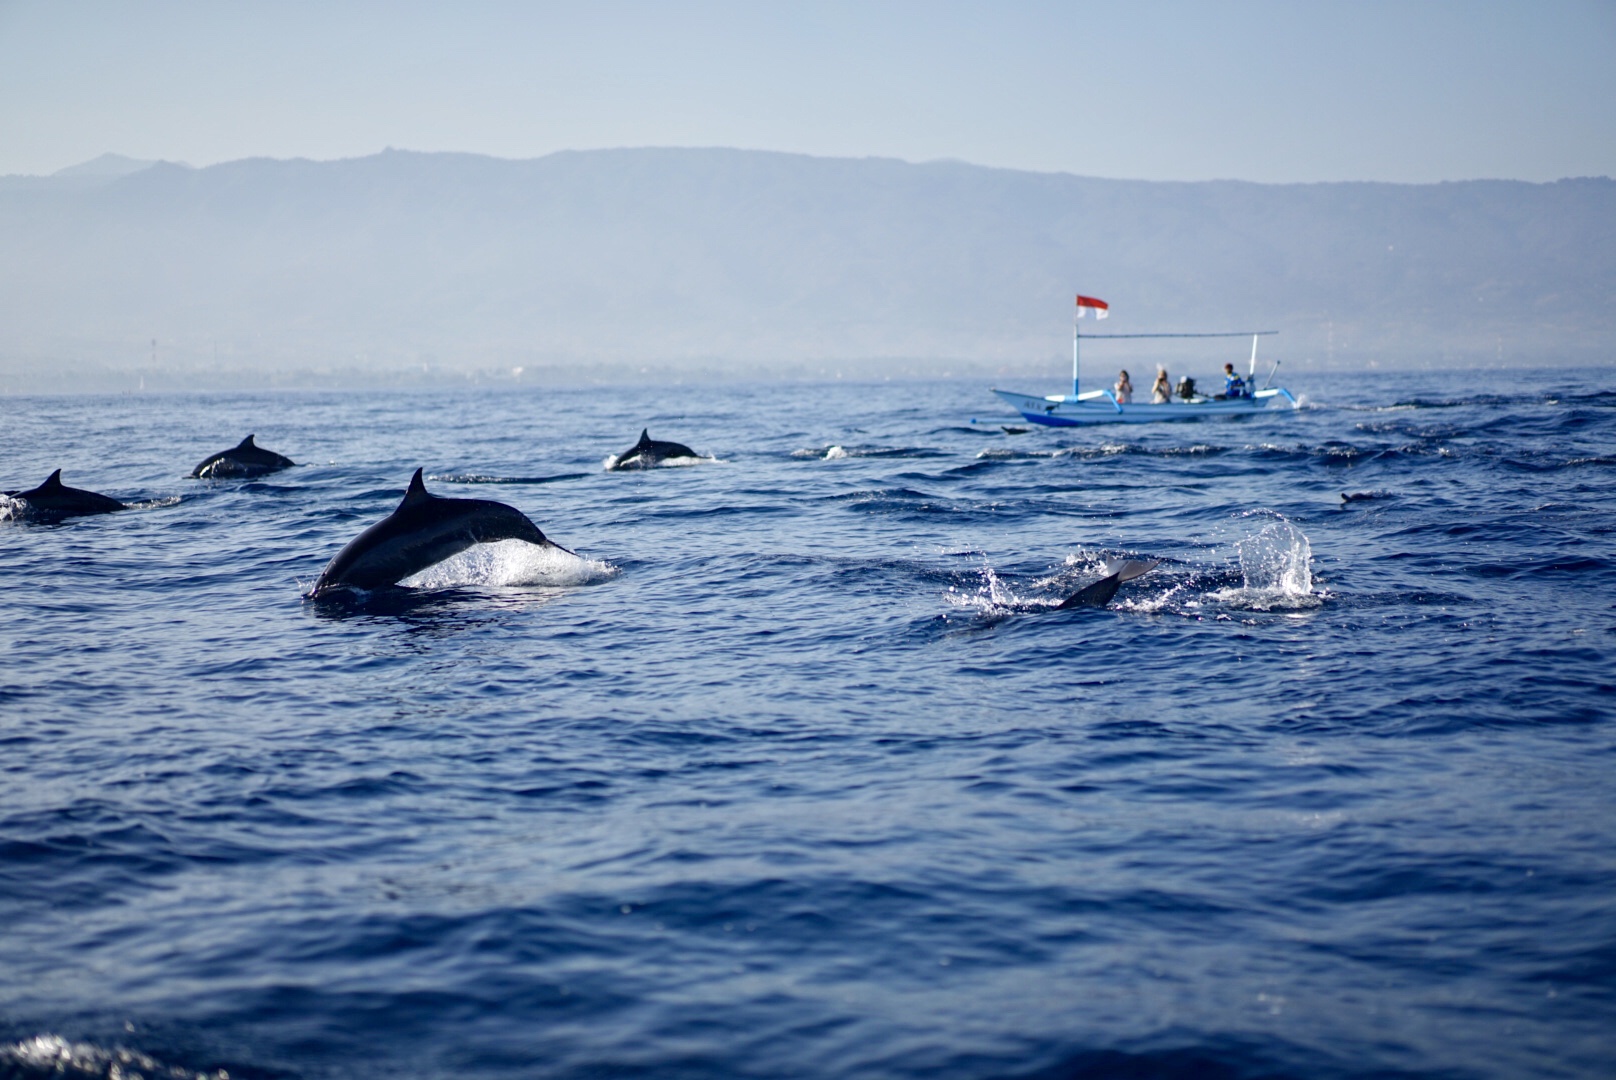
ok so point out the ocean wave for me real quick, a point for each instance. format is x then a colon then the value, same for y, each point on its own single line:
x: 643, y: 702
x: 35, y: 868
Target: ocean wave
x: 815, y: 781
x: 839, y: 452
x: 485, y: 478
x: 1104, y: 450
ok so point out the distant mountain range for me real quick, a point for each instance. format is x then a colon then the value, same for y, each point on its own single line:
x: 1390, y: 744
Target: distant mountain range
x: 105, y: 167
x: 623, y: 263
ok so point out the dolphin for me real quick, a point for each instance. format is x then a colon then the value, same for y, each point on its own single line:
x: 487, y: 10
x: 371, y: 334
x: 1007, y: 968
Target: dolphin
x: 1099, y: 594
x: 54, y: 500
x: 246, y: 458
x: 649, y: 452
x: 425, y: 529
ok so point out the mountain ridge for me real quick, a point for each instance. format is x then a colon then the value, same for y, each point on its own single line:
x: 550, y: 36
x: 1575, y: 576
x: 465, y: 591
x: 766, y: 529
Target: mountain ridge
x: 754, y: 261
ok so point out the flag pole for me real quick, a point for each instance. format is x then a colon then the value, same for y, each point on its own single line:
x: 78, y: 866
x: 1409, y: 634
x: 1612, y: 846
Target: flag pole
x: 1084, y: 304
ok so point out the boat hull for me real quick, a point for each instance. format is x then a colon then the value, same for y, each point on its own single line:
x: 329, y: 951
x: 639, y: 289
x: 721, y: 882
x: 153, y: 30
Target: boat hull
x: 1098, y: 407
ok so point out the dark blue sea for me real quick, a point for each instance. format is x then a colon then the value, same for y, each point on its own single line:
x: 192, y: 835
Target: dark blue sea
x: 794, y: 771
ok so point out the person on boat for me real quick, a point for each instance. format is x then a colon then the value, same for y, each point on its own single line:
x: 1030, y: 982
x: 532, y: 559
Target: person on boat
x: 1233, y: 385
x: 1161, y: 392
x: 1124, y: 389
x: 1186, y: 388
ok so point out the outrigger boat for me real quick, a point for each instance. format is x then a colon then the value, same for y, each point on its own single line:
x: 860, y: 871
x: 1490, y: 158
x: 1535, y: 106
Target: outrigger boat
x: 1102, y: 406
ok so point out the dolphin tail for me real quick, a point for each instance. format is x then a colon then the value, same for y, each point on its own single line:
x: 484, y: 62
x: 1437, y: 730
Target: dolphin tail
x: 1097, y: 595
x: 1101, y: 592
x: 1128, y: 569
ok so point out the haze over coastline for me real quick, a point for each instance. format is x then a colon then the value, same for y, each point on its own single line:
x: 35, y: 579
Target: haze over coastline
x: 886, y: 189
x: 694, y: 263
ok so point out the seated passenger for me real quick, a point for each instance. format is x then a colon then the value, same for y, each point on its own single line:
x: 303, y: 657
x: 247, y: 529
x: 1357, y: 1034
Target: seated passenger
x: 1124, y: 389
x: 1186, y: 388
x: 1161, y: 392
x: 1233, y: 385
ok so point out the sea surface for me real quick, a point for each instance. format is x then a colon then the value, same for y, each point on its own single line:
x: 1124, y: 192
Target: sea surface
x: 794, y: 771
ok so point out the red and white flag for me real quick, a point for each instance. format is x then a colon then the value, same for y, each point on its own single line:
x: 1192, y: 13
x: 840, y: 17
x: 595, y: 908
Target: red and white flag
x: 1086, y: 304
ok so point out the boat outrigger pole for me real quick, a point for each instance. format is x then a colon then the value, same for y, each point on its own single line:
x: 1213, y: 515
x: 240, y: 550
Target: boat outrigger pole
x: 1271, y: 372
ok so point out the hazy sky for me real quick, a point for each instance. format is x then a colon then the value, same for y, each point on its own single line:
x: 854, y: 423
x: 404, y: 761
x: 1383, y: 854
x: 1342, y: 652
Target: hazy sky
x: 1304, y: 90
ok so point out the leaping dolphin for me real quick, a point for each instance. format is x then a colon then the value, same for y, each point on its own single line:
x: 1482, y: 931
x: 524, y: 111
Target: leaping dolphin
x: 54, y: 500
x: 424, y: 530
x: 246, y: 458
x: 1099, y: 594
x: 649, y: 452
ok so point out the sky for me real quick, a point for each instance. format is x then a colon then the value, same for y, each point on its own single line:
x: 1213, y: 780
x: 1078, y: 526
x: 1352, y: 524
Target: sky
x: 1410, y: 91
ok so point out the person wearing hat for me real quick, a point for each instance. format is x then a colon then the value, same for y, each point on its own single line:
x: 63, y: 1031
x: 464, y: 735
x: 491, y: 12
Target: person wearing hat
x: 1161, y: 391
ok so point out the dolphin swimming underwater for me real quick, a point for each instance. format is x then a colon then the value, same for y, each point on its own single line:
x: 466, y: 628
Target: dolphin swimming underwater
x: 1099, y: 594
x: 246, y: 458
x: 54, y: 500
x: 424, y: 530
x: 649, y: 452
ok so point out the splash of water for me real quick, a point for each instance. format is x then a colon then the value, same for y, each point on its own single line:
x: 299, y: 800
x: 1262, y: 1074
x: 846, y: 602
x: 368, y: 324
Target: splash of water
x: 990, y: 597
x: 611, y: 461
x: 52, y: 1055
x: 1278, y: 559
x: 1276, y: 570
x: 511, y: 562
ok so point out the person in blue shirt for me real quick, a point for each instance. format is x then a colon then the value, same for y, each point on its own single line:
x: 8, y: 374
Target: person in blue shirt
x: 1233, y: 385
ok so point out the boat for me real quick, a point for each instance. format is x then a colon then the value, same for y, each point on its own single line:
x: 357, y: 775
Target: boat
x: 1102, y: 407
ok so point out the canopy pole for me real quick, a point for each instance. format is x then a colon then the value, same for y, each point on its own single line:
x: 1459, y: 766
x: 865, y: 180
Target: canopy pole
x: 1075, y: 336
x: 1252, y: 374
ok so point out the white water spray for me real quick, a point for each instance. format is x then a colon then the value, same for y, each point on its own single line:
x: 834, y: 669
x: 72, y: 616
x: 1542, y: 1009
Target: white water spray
x: 1276, y: 568
x: 511, y: 562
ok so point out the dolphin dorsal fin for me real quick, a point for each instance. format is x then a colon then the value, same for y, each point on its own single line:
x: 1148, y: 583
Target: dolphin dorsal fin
x: 247, y: 444
x: 645, y: 436
x: 54, y: 480
x: 416, y: 493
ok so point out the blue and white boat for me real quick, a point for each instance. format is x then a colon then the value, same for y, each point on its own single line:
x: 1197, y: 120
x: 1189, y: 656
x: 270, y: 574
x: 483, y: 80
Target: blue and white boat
x: 1102, y: 406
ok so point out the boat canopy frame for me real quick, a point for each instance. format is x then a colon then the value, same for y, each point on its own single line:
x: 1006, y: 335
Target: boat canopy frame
x: 1078, y: 335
